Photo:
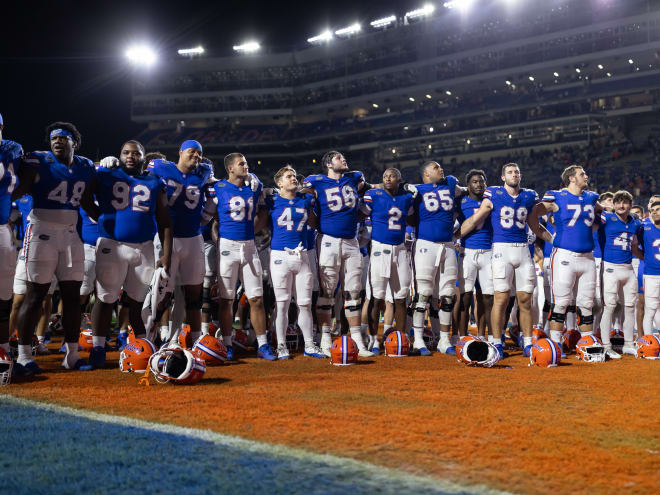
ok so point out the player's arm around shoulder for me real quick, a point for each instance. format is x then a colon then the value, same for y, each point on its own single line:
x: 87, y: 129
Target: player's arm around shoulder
x: 479, y: 216
x: 164, y: 224
x: 545, y: 206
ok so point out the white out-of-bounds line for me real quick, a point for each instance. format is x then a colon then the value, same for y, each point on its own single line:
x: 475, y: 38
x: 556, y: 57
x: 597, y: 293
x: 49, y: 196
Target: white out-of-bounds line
x: 263, y: 448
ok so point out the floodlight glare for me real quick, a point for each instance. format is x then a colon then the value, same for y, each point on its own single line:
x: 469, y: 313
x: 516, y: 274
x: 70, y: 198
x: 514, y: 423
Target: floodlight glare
x: 577, y: 69
x: 427, y: 9
x: 198, y: 50
x: 631, y: 61
x: 448, y: 93
x: 600, y: 66
x: 247, y: 47
x: 141, y: 55
x: 375, y: 105
x: 324, y: 36
x: 347, y: 31
x: 384, y: 22
x: 462, y: 5
x: 556, y: 74
x: 429, y: 96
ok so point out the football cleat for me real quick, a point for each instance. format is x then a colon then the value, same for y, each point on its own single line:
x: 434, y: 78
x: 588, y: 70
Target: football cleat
x: 283, y: 352
x: 314, y: 351
x: 545, y: 353
x: 629, y: 348
x: 265, y: 352
x: 445, y: 347
x: 134, y: 358
x: 41, y: 349
x: 590, y: 349
x: 423, y: 351
x: 375, y: 349
x: 230, y: 353
x: 27, y: 369
x: 611, y: 353
x: 344, y: 351
x: 474, y: 352
x: 648, y: 347
x: 97, y: 357
x: 176, y: 365
x: 527, y: 351
x: 79, y: 365
x: 6, y: 367
x: 396, y: 345
x: 210, y: 349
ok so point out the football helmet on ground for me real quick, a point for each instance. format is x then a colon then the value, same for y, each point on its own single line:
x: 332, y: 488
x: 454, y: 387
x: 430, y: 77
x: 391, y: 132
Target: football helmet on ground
x: 397, y: 344
x: 134, y: 358
x: 210, y: 350
x: 177, y: 365
x: 570, y: 340
x: 648, y: 347
x: 590, y: 349
x: 344, y: 351
x: 545, y: 353
x: 475, y: 352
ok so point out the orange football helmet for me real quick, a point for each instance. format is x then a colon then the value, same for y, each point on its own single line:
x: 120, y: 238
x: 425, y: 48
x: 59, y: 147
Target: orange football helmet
x: 571, y: 338
x: 397, y: 344
x: 134, y: 358
x: 177, y: 365
x: 185, y: 338
x: 6, y: 366
x: 210, y: 350
x: 648, y: 347
x: 538, y: 334
x: 590, y: 349
x: 475, y: 352
x: 344, y: 351
x: 213, y: 328
x: 239, y: 338
x: 545, y: 353
x: 85, y: 342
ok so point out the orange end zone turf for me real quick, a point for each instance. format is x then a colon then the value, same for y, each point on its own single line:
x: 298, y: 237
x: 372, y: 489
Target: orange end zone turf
x: 587, y: 428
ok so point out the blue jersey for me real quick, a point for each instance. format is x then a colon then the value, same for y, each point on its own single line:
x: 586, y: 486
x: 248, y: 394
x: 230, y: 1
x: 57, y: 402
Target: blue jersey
x: 186, y: 194
x: 434, y: 206
x: 547, y: 246
x: 648, y: 237
x: 599, y: 242
x: 206, y: 228
x: 388, y: 215
x: 337, y: 203
x: 59, y: 187
x: 509, y: 214
x: 288, y: 220
x: 479, y: 238
x: 574, y: 219
x: 88, y: 228
x: 618, y: 237
x: 24, y: 206
x: 127, y: 204
x: 236, y: 206
x: 10, y: 158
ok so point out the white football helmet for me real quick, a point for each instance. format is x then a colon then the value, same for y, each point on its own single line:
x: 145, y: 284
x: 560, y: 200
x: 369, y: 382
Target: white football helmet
x: 474, y: 352
x: 176, y: 364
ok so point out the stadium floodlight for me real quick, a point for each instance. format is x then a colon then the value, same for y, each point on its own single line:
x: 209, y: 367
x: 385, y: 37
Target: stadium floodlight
x: 141, y: 55
x: 631, y: 61
x: 448, y: 93
x: 462, y: 5
x: 556, y: 74
x: 430, y: 146
x: 431, y: 129
x: 198, y: 50
x: 531, y: 78
x: 428, y: 96
x: 393, y: 151
x: 577, y: 69
x: 427, y: 9
x: 600, y: 66
x: 508, y: 83
x: 349, y: 30
x: 384, y: 22
x: 375, y: 105
x: 247, y: 47
x: 609, y: 74
x: 320, y: 38
x: 411, y: 99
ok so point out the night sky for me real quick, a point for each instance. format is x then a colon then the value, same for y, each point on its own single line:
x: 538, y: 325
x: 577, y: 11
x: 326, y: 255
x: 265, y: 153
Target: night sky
x: 64, y: 59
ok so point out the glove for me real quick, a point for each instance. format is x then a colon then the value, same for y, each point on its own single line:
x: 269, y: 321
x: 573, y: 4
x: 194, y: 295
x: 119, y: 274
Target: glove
x: 411, y: 189
x: 109, y: 162
x: 253, y: 182
x: 299, y: 249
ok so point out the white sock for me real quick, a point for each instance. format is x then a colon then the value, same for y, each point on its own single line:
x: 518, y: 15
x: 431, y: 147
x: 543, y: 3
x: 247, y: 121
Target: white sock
x: 386, y: 328
x: 72, y: 355
x: 356, y: 335
x: 587, y: 334
x: 527, y: 341
x: 305, y: 321
x: 24, y: 354
x: 375, y: 341
x: 261, y: 340
x: 444, y: 337
x: 227, y: 340
x: 555, y: 335
x: 419, y: 337
x: 98, y: 341
x: 205, y: 328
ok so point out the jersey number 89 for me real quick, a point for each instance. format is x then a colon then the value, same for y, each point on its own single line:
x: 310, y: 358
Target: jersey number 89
x: 509, y: 216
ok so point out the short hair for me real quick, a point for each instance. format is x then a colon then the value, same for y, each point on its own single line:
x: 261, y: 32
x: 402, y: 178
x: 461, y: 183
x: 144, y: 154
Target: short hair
x: 300, y: 178
x: 622, y: 196
x: 507, y: 165
x: 474, y: 172
x: 637, y: 207
x: 67, y: 126
x: 655, y: 203
x: 606, y: 195
x: 282, y: 171
x: 328, y: 157
x: 136, y: 143
x: 154, y: 155
x: 569, y: 172
x: 230, y: 159
x: 396, y: 171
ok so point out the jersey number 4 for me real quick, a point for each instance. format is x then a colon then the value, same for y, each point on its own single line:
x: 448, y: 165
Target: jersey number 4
x: 286, y: 219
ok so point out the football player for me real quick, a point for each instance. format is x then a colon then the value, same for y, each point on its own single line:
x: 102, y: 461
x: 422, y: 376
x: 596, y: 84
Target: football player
x: 476, y: 253
x: 573, y: 266
x: 133, y: 205
x: 187, y: 182
x: 605, y: 199
x: 235, y: 209
x: 648, y: 237
x: 338, y: 249
x: 435, y: 263
x: 619, y: 278
x: 288, y: 213
x: 209, y: 305
x: 89, y: 233
x: 513, y: 268
x: 389, y: 263
x: 11, y: 154
x: 57, y: 180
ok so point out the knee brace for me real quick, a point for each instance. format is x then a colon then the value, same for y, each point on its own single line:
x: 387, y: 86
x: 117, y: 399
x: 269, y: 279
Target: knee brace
x: 447, y: 303
x: 324, y: 305
x: 420, y: 302
x: 557, y: 313
x: 194, y: 305
x: 583, y: 318
x: 352, y: 304
x: 5, y: 309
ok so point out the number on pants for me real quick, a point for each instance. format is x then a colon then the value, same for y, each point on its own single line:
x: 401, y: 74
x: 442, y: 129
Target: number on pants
x: 12, y: 176
x: 122, y: 197
x: 436, y: 199
x: 337, y: 199
x: 395, y: 216
x: 577, y: 211
x: 509, y: 217
x: 237, y: 208
x: 59, y: 193
x: 286, y: 219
